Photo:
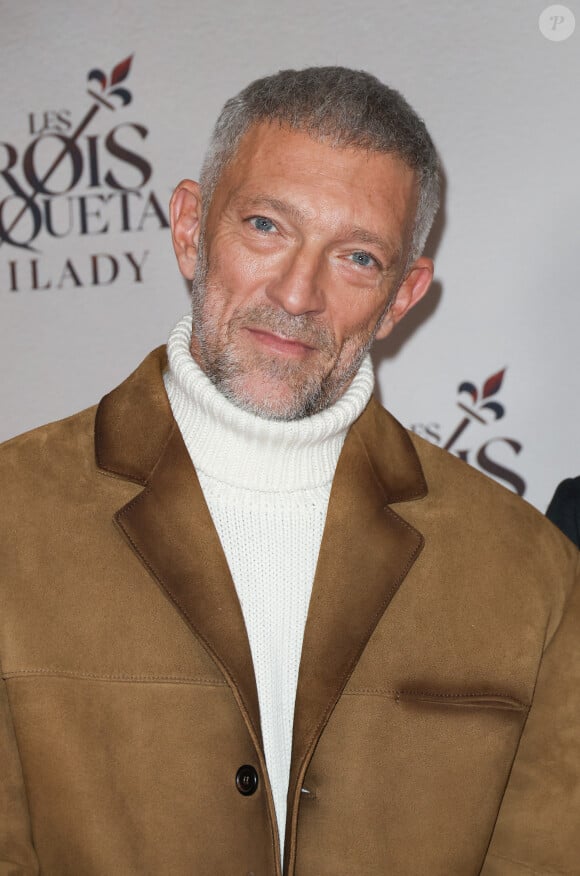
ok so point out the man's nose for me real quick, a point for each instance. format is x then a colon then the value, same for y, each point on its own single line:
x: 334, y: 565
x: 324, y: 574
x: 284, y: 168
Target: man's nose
x: 297, y: 287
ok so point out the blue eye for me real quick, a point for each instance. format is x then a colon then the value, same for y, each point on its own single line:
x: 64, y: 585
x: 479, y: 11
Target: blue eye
x: 363, y: 259
x: 262, y: 223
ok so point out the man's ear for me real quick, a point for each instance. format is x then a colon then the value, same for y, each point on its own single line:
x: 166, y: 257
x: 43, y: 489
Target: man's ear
x: 185, y: 218
x: 414, y: 286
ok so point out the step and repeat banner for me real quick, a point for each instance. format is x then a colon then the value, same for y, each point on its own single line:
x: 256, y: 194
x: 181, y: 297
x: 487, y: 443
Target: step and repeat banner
x: 106, y: 107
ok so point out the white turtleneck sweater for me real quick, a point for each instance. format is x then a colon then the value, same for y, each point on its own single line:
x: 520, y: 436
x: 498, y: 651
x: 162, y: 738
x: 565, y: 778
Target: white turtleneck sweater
x: 266, y: 484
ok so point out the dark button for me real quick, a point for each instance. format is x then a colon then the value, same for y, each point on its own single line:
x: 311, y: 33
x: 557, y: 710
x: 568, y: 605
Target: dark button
x: 247, y: 780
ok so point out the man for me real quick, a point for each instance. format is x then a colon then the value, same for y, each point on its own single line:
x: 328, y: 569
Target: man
x: 249, y: 624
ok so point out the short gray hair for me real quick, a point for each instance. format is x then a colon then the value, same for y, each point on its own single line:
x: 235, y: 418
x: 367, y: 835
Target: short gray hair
x: 348, y: 108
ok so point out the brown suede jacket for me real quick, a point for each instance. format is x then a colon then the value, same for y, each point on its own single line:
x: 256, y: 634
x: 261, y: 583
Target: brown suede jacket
x: 437, y: 728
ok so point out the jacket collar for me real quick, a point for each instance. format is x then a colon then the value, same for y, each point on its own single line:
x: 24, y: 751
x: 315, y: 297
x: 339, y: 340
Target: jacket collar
x: 365, y: 554
x: 134, y: 421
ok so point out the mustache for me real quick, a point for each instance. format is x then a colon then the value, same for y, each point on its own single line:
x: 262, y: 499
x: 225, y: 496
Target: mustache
x: 300, y: 327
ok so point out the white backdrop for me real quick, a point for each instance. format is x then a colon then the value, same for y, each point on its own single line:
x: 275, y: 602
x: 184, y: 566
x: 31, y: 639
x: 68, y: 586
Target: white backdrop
x: 88, y: 283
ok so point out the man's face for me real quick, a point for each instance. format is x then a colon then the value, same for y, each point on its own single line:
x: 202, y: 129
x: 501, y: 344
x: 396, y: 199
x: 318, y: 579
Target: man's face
x: 303, y: 249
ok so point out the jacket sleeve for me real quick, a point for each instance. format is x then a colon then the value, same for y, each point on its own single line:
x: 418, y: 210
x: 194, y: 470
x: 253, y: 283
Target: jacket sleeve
x: 17, y: 855
x: 538, y: 827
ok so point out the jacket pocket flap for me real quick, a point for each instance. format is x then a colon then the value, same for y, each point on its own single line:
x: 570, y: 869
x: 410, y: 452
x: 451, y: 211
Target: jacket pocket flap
x: 472, y: 700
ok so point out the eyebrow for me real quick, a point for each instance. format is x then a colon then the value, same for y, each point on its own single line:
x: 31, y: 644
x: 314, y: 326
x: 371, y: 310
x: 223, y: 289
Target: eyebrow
x: 364, y: 236
x: 361, y: 235
x: 277, y: 204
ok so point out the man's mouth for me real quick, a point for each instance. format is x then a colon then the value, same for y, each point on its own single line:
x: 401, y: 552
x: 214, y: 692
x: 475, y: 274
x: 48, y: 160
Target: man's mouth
x: 277, y: 343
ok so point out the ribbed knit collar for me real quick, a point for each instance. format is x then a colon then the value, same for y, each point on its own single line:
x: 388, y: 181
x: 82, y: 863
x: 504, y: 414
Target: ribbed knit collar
x: 247, y: 451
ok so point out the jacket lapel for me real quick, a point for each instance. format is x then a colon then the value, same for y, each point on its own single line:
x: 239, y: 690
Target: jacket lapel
x: 169, y: 526
x: 366, y: 552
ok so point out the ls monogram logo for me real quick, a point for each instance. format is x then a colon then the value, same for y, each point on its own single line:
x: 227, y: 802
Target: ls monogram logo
x: 482, y: 410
